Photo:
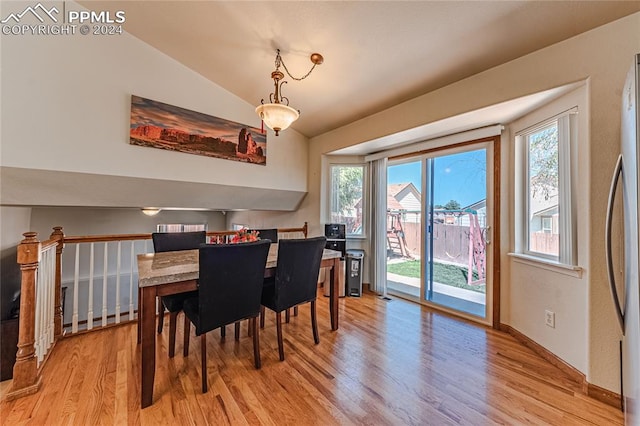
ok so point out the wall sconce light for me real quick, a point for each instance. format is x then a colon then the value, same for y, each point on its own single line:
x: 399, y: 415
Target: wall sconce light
x: 277, y: 114
x: 150, y: 211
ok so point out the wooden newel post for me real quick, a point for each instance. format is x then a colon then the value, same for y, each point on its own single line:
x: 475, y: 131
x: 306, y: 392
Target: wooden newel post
x: 58, y: 235
x: 25, y: 370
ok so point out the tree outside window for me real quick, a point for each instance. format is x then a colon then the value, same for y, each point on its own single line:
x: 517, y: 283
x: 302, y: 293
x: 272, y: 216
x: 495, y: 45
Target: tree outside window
x: 346, y: 196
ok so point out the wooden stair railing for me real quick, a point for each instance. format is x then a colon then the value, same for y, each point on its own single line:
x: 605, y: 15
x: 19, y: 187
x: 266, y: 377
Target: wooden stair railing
x: 34, y: 314
x: 27, y: 369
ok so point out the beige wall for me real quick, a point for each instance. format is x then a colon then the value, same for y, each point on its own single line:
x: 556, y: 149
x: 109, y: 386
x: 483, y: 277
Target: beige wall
x: 602, y: 57
x: 87, y: 221
x: 13, y: 222
x: 535, y: 287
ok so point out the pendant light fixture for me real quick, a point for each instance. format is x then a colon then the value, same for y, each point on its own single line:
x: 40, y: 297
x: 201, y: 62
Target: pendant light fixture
x: 277, y: 114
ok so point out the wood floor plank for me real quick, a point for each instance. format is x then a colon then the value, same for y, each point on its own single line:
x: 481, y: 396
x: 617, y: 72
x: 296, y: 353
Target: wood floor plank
x: 390, y: 363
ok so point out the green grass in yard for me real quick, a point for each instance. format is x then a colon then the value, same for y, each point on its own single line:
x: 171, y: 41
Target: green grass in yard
x: 442, y: 273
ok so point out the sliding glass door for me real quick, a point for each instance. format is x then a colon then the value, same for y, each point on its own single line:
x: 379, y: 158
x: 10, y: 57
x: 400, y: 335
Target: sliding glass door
x: 438, y: 216
x: 404, y: 228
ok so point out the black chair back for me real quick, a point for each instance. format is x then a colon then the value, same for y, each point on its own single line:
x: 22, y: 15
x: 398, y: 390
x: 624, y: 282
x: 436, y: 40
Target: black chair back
x: 230, y: 283
x: 176, y: 241
x: 296, y: 279
x: 268, y: 234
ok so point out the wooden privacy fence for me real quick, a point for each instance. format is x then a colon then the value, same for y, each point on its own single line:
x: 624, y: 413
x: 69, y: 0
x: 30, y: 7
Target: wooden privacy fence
x: 542, y: 242
x: 450, y: 242
x: 101, y: 291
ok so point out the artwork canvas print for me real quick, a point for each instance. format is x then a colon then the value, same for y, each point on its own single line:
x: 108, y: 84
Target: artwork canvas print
x: 159, y: 125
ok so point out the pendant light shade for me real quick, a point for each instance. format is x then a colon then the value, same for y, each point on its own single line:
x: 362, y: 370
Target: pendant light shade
x: 277, y: 116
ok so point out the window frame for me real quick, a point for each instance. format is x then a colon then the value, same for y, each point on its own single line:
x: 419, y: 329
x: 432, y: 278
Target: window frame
x: 567, y: 137
x: 337, y: 162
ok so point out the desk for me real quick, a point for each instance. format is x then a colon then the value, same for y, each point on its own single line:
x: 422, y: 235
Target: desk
x: 161, y: 274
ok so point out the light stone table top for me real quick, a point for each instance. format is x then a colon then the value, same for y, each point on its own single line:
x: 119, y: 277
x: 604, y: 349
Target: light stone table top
x: 176, y: 266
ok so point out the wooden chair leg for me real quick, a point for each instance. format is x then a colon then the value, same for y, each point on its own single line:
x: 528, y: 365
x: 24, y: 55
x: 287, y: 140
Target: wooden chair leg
x: 223, y: 332
x: 187, y: 334
x: 314, y: 322
x: 279, y: 332
x: 173, y: 319
x: 139, y: 316
x: 295, y: 311
x: 160, y: 316
x: 237, y: 330
x: 262, y: 316
x: 287, y: 316
x: 256, y: 342
x: 203, y: 355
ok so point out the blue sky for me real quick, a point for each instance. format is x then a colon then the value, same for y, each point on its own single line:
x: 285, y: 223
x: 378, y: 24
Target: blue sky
x: 460, y: 177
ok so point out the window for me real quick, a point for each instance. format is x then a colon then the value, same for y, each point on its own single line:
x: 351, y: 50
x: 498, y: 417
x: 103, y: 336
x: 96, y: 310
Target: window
x: 544, y: 208
x: 542, y: 180
x: 347, y: 201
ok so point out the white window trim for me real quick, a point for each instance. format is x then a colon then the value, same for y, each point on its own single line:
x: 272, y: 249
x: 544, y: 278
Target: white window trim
x: 570, y: 270
x: 346, y: 161
x: 567, y: 124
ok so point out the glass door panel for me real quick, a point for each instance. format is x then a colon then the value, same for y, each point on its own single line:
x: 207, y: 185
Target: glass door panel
x: 437, y: 227
x: 455, y: 237
x: 404, y: 229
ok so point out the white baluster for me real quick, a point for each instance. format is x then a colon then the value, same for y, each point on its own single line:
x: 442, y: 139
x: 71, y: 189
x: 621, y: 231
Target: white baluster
x: 46, y: 302
x: 90, y: 305
x: 118, y: 283
x: 38, y: 312
x: 104, y: 285
x: 50, y: 290
x: 41, y: 303
x: 74, y: 318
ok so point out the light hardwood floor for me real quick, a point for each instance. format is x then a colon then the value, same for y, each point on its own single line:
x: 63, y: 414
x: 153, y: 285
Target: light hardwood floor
x: 390, y: 363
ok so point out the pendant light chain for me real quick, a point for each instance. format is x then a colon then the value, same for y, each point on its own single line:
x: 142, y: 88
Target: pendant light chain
x: 279, y: 61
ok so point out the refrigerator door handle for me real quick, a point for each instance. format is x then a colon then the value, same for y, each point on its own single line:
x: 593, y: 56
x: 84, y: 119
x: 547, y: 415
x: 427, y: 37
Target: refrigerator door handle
x: 612, y: 280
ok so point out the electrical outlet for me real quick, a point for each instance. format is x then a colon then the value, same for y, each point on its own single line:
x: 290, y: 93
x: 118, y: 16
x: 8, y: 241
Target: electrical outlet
x: 550, y: 318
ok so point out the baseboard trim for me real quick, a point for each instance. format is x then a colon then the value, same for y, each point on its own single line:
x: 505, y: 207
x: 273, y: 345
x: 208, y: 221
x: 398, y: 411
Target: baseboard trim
x: 589, y: 389
x: 604, y: 395
x: 19, y: 393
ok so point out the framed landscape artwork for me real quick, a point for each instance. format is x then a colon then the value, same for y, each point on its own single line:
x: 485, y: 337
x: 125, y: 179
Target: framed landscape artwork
x: 159, y: 125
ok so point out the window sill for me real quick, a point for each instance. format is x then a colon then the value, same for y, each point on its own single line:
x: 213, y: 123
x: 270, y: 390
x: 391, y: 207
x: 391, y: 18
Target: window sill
x: 549, y: 265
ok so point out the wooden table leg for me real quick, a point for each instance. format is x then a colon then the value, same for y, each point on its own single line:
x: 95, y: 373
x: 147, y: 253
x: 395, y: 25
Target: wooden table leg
x: 147, y: 331
x: 334, y: 293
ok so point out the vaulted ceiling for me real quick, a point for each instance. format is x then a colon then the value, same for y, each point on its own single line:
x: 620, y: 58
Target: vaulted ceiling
x: 377, y: 53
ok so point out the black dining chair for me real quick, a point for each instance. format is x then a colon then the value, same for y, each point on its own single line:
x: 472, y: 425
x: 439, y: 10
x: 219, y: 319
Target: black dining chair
x: 295, y: 281
x: 175, y: 241
x: 229, y: 290
x: 268, y: 234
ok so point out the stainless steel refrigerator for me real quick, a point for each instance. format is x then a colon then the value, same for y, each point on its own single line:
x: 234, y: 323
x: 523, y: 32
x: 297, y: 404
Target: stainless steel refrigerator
x: 627, y: 304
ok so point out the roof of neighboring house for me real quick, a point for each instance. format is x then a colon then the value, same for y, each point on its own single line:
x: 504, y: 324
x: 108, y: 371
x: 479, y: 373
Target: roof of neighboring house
x: 477, y: 205
x: 551, y: 210
x: 541, y: 205
x: 396, y: 188
x: 393, y: 204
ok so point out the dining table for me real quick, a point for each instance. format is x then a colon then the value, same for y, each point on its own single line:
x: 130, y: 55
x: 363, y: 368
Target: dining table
x: 172, y: 272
